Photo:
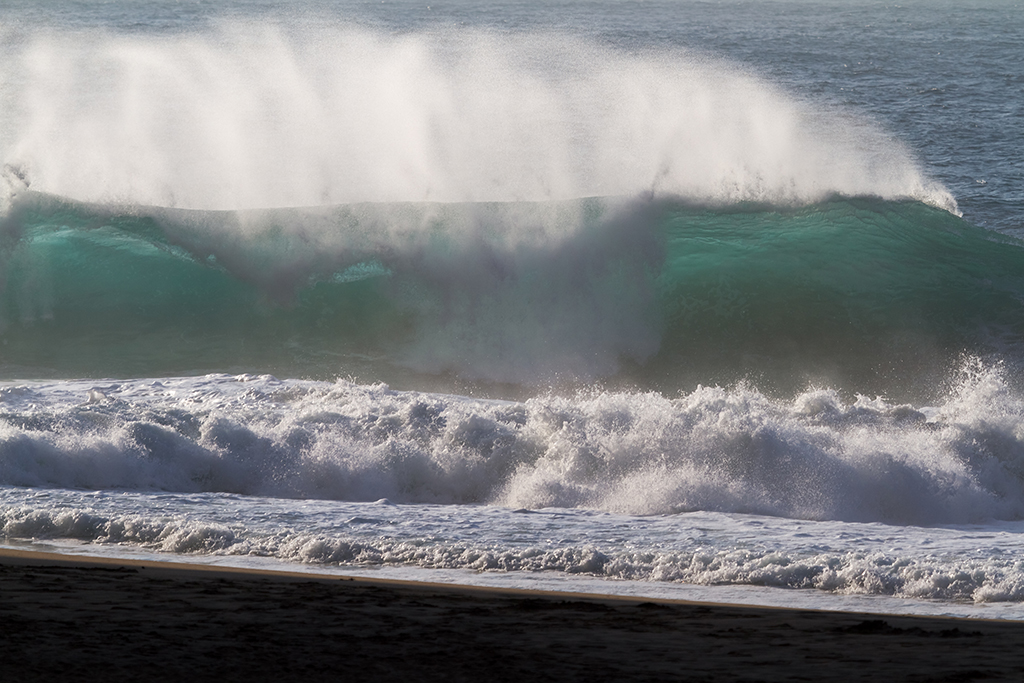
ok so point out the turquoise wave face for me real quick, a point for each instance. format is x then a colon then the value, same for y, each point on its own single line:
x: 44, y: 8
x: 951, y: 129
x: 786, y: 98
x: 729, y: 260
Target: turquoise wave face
x: 866, y: 295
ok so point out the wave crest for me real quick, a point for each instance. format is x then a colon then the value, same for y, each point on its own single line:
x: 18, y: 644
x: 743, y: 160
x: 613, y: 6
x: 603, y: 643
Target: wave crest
x: 260, y: 116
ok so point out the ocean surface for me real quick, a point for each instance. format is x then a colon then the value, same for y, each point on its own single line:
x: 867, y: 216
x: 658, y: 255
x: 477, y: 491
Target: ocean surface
x: 717, y: 300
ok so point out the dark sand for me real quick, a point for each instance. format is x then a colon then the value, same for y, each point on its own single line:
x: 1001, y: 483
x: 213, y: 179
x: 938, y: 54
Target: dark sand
x: 72, y: 619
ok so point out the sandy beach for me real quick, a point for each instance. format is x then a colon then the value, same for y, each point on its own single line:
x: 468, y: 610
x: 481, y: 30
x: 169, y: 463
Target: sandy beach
x: 64, y: 618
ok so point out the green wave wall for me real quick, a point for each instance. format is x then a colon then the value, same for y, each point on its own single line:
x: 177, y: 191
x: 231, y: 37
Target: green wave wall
x: 862, y: 294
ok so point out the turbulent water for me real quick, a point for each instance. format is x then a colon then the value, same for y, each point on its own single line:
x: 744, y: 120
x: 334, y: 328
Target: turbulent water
x: 675, y: 293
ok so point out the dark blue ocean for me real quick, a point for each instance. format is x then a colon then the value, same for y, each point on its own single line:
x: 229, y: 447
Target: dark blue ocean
x: 714, y: 299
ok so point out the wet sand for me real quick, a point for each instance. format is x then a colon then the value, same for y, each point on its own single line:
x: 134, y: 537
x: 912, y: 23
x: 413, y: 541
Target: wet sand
x: 73, y: 618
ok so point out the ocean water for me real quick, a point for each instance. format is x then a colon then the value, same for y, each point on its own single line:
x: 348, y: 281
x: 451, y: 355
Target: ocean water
x: 710, y: 300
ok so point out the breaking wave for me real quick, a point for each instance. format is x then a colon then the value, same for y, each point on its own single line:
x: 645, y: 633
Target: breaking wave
x: 715, y: 449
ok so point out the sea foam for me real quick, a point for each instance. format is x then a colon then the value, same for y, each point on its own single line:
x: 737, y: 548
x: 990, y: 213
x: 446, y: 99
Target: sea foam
x: 716, y: 449
x: 961, y: 564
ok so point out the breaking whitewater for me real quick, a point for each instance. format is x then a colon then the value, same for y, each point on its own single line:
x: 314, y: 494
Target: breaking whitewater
x: 538, y: 312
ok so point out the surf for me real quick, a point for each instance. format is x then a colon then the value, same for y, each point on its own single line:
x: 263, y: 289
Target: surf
x: 736, y: 449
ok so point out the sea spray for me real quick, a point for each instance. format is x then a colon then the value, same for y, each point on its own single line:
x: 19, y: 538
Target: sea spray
x: 248, y: 116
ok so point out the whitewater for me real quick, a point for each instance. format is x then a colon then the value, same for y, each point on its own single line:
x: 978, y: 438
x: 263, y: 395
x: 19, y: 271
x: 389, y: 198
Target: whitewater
x: 705, y: 301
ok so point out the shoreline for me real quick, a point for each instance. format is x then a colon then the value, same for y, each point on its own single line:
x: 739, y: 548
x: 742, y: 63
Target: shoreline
x: 102, y: 617
x: 184, y: 569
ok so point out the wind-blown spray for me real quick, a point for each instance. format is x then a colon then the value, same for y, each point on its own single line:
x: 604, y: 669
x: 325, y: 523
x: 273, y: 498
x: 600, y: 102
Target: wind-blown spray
x: 262, y: 116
